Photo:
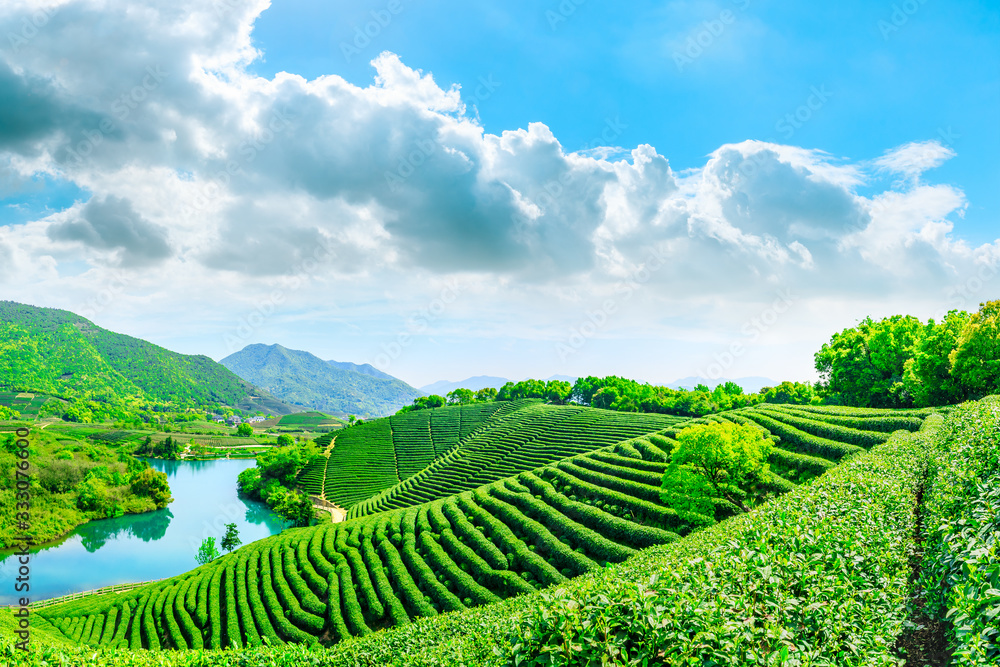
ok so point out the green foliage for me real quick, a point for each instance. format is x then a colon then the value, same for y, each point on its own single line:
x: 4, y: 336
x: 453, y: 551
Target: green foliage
x: 731, y: 458
x: 207, y: 552
x: 231, y: 540
x: 244, y: 430
x: 927, y: 376
x: 976, y: 357
x: 104, y: 375
x: 960, y: 569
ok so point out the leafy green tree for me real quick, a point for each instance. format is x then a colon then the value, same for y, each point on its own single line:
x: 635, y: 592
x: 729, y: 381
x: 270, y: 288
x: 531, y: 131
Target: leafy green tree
x: 284, y: 440
x: 231, y: 540
x: 558, y: 391
x: 927, y: 376
x: 792, y: 393
x: 605, y: 398
x: 207, y: 552
x: 152, y: 484
x: 730, y: 457
x: 461, y: 396
x: 864, y: 366
x: 975, y: 362
x: 244, y: 430
x: 297, y: 508
x: 486, y: 395
x: 685, y: 489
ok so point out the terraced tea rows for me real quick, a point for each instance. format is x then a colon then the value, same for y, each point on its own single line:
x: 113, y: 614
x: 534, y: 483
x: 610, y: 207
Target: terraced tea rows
x: 529, y: 437
x: 510, y: 536
x: 376, y: 455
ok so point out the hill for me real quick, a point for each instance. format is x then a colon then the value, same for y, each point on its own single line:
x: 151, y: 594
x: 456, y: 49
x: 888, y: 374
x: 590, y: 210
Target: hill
x: 304, y: 379
x: 364, y: 369
x: 58, y: 353
x: 513, y: 536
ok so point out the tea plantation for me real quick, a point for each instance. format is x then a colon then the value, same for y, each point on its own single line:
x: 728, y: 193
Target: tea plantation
x: 532, y: 562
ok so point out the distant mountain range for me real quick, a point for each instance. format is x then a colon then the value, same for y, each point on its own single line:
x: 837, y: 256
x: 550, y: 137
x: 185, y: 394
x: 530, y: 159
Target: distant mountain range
x: 442, y: 387
x: 334, y: 387
x: 61, y: 354
x: 750, y: 385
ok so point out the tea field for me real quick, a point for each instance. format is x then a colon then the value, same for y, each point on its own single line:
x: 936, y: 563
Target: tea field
x: 520, y: 532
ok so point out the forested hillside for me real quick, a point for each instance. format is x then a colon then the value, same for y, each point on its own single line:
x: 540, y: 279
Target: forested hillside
x: 340, y: 389
x: 105, y: 374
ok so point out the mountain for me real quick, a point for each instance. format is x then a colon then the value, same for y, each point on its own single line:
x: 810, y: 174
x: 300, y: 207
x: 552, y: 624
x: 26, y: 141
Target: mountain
x: 564, y: 378
x: 56, y: 352
x: 364, y: 369
x: 304, y: 379
x: 442, y: 387
x: 750, y: 385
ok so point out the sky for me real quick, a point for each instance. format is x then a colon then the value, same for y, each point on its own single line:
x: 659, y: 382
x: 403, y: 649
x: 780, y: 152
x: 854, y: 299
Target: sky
x: 444, y: 189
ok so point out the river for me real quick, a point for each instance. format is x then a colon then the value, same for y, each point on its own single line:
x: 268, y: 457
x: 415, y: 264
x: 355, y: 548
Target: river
x: 141, y: 547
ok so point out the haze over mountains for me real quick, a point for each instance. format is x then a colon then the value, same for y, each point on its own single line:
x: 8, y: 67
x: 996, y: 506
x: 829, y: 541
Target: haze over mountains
x: 337, y: 388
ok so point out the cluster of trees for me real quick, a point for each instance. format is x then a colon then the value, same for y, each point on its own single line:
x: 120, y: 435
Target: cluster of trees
x: 208, y: 552
x: 273, y: 480
x: 167, y: 449
x: 900, y: 362
x: 624, y: 395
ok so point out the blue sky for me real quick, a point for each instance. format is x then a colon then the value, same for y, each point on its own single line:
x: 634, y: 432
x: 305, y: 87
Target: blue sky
x: 515, y: 189
x: 934, y: 75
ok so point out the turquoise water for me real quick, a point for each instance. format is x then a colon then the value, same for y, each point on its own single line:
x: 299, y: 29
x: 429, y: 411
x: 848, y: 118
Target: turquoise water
x: 147, y: 546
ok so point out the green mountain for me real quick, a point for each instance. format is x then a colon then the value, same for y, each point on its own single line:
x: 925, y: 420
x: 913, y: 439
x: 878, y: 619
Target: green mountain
x: 304, y: 379
x: 56, y: 352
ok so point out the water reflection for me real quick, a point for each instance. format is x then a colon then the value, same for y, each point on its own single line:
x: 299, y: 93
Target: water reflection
x: 146, y: 527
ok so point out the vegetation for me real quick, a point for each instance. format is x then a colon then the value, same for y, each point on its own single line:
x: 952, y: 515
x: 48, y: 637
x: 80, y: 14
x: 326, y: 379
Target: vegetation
x: 306, y: 380
x: 207, y: 552
x: 99, y: 375
x: 512, y: 536
x: 898, y: 362
x: 73, y: 480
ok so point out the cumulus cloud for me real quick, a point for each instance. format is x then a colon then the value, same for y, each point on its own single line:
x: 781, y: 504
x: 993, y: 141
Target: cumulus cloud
x: 113, y: 224
x: 200, y: 168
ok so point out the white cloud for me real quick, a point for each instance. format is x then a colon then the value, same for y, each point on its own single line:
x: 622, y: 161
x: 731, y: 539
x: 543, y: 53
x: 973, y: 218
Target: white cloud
x: 231, y: 181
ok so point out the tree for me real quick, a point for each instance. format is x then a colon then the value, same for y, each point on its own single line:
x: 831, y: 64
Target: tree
x: 927, y: 375
x: 684, y: 489
x: 153, y: 484
x: 285, y: 440
x: 351, y: 419
x: 244, y: 430
x: 231, y: 540
x: 864, y: 366
x: 207, y: 552
x: 297, y: 508
x: 731, y: 458
x: 793, y: 393
x: 605, y: 398
x: 975, y: 362
x: 558, y: 391
x: 461, y: 396
x: 486, y: 395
